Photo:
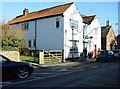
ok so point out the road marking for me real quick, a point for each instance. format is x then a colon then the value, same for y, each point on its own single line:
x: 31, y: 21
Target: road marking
x: 94, y: 66
x: 82, y: 69
x: 63, y: 70
x: 104, y: 64
x: 44, y: 73
x: 34, y: 77
x: 38, y: 78
x: 5, y: 83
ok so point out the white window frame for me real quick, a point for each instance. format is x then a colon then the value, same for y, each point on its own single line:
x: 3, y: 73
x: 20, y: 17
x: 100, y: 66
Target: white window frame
x: 25, y: 26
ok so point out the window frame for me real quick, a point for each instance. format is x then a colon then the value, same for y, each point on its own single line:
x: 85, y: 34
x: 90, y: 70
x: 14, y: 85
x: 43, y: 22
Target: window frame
x: 74, y: 23
x: 29, y: 43
x: 25, y: 26
x: 57, y: 23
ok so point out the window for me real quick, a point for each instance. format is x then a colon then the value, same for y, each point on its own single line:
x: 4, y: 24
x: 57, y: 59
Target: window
x: 25, y: 26
x: 57, y: 23
x: 74, y: 23
x: 29, y: 43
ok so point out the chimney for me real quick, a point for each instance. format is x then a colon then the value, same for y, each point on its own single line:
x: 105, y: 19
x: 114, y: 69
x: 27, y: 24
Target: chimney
x: 107, y: 23
x: 25, y: 11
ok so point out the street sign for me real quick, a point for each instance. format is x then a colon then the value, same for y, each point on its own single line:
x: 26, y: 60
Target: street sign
x: 74, y: 40
x: 85, y: 36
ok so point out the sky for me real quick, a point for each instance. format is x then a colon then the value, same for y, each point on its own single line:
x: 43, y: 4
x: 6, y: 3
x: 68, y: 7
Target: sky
x: 103, y: 10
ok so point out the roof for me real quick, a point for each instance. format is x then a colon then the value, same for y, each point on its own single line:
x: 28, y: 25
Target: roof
x: 88, y: 19
x: 54, y: 11
x: 105, y: 30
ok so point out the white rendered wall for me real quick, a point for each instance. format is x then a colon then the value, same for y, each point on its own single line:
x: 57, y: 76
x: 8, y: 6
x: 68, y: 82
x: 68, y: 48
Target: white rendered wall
x: 48, y: 36
x: 28, y: 34
x: 72, y: 13
x: 96, y: 40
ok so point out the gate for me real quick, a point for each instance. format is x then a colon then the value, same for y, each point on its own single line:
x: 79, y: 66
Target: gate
x: 53, y: 56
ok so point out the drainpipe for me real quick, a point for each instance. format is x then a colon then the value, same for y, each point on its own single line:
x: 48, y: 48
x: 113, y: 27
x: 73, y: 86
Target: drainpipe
x: 35, y: 33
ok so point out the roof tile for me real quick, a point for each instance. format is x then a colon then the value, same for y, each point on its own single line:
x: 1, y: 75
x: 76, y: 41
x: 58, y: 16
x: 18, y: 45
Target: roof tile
x: 57, y: 10
x: 88, y: 19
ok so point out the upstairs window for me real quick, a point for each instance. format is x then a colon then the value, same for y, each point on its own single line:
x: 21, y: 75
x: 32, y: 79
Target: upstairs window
x: 25, y: 26
x: 57, y: 23
x: 74, y: 23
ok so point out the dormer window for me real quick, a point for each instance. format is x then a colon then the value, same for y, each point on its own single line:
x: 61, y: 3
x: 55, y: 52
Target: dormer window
x: 25, y: 26
x: 57, y: 23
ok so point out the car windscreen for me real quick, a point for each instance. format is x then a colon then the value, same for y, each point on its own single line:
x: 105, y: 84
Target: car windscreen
x: 115, y: 51
x: 103, y: 52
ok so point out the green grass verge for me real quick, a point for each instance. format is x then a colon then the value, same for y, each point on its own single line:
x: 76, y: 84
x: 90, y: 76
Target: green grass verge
x: 29, y: 59
x: 35, y: 60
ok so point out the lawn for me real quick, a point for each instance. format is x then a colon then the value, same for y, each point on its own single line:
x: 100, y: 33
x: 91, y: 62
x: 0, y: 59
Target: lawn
x: 29, y: 58
x: 35, y: 60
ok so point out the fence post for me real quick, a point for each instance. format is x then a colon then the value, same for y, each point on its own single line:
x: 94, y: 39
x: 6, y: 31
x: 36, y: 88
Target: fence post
x: 41, y: 57
x: 63, y: 60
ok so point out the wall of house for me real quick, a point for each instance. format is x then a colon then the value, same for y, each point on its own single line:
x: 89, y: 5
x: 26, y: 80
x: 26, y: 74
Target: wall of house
x: 103, y: 43
x: 118, y: 41
x: 48, y: 36
x: 72, y: 13
x: 29, y: 35
x: 110, y: 37
x: 93, y: 30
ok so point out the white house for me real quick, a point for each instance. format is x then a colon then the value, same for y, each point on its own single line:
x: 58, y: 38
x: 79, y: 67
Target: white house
x: 56, y: 28
x: 92, y: 33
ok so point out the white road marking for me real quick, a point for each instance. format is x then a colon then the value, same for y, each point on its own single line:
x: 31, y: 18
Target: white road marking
x: 38, y: 78
x: 94, y: 66
x: 82, y: 69
x: 4, y: 82
x: 103, y: 64
x: 63, y: 70
x: 44, y: 73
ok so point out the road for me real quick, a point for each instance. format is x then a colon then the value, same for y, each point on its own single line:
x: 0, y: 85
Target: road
x: 87, y: 76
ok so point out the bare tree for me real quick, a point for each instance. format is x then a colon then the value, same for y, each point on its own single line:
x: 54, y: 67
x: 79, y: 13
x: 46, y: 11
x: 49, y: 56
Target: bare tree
x: 11, y: 38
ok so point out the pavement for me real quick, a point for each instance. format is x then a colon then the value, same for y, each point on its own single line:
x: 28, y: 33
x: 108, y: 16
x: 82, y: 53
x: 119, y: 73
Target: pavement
x: 67, y: 63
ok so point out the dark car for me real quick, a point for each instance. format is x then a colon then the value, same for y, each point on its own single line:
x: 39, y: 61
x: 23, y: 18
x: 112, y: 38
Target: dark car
x: 117, y: 53
x: 106, y: 56
x: 14, y: 69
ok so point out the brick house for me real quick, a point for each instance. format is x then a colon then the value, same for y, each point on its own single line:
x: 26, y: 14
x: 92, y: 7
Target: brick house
x: 118, y: 41
x: 107, y: 37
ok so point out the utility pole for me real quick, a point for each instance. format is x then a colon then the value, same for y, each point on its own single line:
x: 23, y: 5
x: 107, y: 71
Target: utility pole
x: 84, y: 28
x: 72, y: 42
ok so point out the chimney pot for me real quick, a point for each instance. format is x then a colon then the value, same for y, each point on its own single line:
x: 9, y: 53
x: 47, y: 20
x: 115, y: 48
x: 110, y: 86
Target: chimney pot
x: 107, y: 23
x: 25, y: 11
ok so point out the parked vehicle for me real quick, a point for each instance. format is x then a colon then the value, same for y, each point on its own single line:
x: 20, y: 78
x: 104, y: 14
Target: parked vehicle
x: 12, y: 69
x: 106, y: 56
x: 117, y: 53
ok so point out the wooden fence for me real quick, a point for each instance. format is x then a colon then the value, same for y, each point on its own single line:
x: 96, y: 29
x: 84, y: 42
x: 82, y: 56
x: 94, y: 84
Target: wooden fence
x: 50, y: 55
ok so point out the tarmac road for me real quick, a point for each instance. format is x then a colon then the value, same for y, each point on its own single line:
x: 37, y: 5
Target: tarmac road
x: 84, y: 75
